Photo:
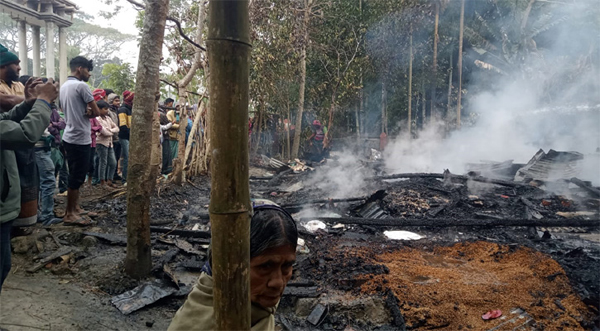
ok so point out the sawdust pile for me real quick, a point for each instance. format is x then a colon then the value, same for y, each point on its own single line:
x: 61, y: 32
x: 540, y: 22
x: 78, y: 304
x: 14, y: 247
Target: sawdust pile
x: 451, y: 287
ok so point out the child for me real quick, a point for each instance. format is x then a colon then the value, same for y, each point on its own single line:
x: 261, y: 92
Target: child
x: 104, y: 145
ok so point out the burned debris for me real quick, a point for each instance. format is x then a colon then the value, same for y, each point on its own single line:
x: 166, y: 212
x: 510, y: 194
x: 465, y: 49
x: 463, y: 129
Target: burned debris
x: 410, y: 251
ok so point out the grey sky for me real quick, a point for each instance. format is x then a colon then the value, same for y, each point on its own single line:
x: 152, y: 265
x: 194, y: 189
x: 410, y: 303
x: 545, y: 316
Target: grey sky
x: 124, y: 21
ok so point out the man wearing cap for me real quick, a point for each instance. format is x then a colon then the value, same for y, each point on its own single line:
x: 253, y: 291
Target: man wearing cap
x: 12, y: 92
x: 114, y: 102
x: 79, y: 106
x: 124, y: 127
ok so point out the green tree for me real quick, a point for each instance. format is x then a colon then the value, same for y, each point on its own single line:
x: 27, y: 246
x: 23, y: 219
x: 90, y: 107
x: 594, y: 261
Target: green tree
x: 119, y: 77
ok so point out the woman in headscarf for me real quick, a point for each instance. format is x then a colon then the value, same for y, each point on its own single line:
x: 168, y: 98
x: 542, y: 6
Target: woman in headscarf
x: 273, y: 240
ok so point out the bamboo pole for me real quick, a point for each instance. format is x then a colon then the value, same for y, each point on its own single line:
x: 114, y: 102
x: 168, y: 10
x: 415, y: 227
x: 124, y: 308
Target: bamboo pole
x: 229, y: 56
x: 410, y: 74
x: 460, y: 50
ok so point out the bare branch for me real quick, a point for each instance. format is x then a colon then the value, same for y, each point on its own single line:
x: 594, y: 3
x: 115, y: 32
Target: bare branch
x: 174, y: 20
x: 169, y: 18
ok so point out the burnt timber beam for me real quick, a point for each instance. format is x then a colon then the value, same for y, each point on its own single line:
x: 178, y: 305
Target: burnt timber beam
x: 591, y: 190
x: 314, y: 202
x: 181, y: 233
x: 455, y: 177
x: 441, y: 222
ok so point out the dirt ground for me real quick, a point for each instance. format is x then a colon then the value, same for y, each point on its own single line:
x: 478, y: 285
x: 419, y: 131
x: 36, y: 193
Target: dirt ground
x: 46, y: 302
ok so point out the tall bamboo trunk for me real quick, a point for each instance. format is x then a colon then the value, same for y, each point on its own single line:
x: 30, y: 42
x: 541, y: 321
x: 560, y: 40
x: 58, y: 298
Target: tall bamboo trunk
x: 423, y: 101
x: 410, y: 74
x: 229, y: 57
x: 287, y: 133
x: 460, y: 51
x: 138, y: 262
x: 298, y: 130
x: 449, y: 102
x: 432, y: 108
x: 258, y: 129
x: 383, y: 106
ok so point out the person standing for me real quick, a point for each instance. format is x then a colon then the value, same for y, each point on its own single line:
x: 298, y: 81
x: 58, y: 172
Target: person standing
x: 44, y: 148
x: 165, y: 124
x: 11, y: 90
x: 93, y: 168
x: 173, y: 132
x: 79, y: 106
x: 124, y: 127
x: 104, y: 147
x: 114, y: 102
x: 21, y: 127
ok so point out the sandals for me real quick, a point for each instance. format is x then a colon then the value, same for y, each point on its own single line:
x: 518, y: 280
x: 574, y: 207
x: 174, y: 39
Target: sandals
x: 80, y: 221
x: 88, y: 213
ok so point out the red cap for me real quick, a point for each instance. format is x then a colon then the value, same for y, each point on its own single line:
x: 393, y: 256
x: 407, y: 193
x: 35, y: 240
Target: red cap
x: 98, y: 94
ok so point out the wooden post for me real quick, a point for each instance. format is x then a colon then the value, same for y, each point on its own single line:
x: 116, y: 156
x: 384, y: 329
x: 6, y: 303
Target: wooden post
x: 229, y: 56
x: 410, y: 74
x: 140, y: 184
x: 432, y: 108
x: 460, y: 50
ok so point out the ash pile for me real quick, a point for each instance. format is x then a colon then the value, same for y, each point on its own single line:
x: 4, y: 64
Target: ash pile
x: 505, y: 246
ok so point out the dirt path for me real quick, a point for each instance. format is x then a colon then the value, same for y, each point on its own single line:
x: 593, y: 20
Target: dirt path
x: 41, y: 302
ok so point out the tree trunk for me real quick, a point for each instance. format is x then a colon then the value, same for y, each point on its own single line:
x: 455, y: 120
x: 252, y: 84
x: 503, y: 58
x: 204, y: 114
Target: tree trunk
x: 258, y: 130
x: 179, y: 161
x: 138, y: 262
x: 383, y: 115
x: 410, y: 74
x: 460, y: 51
x: 449, y: 102
x: 423, y: 101
x: 298, y: 130
x: 229, y: 57
x: 287, y: 133
x: 432, y: 109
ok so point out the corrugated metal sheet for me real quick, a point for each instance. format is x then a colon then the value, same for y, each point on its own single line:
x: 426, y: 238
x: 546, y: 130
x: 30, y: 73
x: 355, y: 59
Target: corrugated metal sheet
x: 551, y: 166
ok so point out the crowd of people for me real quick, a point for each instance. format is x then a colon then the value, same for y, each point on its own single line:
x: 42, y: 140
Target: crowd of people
x: 60, y: 139
x: 54, y: 141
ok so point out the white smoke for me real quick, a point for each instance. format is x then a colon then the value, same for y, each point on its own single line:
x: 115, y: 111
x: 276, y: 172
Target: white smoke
x: 516, y: 119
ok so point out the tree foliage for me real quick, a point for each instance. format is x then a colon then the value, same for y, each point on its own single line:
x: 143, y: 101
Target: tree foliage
x: 119, y: 77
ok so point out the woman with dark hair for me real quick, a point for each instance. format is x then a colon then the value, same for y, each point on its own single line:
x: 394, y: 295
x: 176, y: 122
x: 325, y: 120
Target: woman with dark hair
x: 273, y: 240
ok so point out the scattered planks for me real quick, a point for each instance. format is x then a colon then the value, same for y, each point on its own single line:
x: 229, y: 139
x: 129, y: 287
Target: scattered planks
x: 441, y: 222
x: 60, y: 252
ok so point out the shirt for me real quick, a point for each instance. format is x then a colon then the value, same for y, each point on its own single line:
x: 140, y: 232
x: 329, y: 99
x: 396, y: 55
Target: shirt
x: 74, y: 97
x: 109, y: 128
x: 16, y: 88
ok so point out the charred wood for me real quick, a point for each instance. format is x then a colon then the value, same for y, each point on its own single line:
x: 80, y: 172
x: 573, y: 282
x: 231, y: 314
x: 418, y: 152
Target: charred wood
x: 314, y: 202
x: 591, y: 190
x: 301, y: 292
x: 441, y: 222
x: 392, y: 304
x: 181, y: 233
x: 62, y: 251
x: 454, y: 177
x: 164, y: 259
x: 111, y: 238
